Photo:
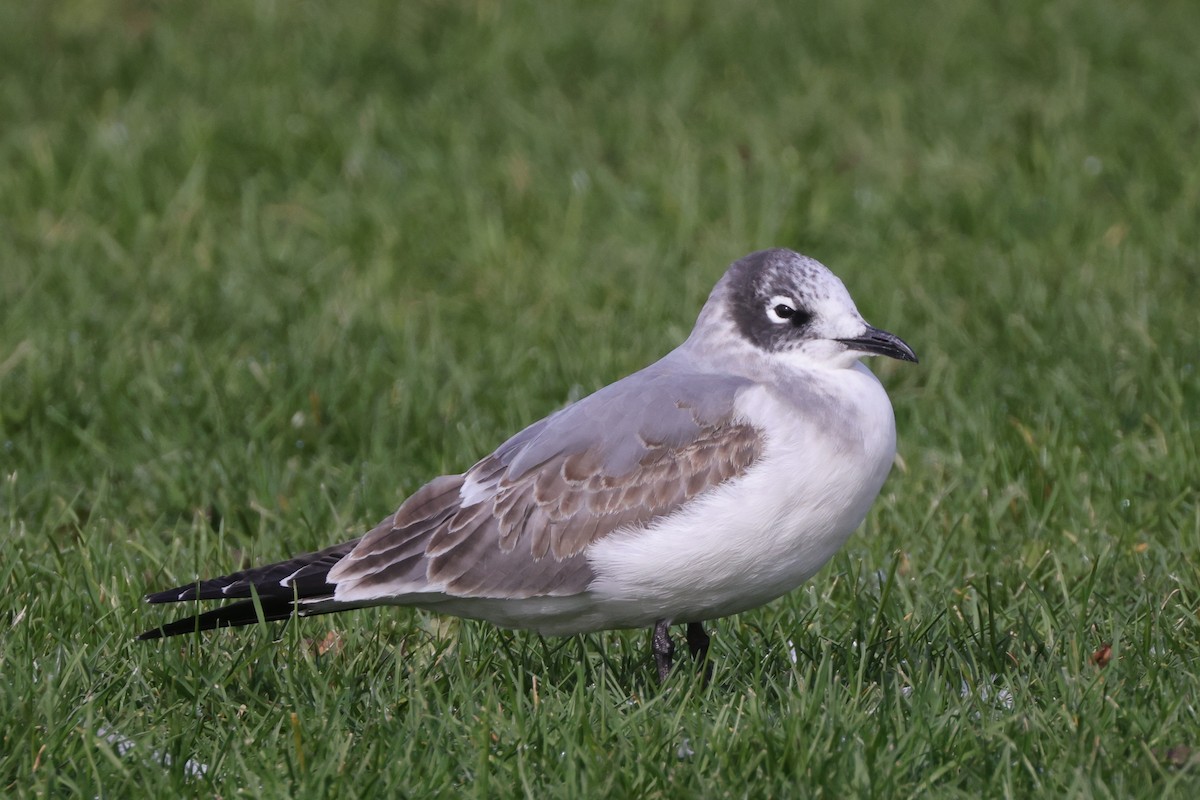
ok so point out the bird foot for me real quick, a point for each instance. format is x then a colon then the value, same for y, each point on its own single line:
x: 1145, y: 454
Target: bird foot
x: 663, y: 648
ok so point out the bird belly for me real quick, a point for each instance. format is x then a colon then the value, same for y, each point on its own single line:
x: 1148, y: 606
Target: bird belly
x: 759, y: 536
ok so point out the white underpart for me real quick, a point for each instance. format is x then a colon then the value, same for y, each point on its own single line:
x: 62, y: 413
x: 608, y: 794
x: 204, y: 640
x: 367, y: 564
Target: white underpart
x: 762, y: 535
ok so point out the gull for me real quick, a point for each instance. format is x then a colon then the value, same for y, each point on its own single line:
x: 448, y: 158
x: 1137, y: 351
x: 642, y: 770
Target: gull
x: 711, y: 482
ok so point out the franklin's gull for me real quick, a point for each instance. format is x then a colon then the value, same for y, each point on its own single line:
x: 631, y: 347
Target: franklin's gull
x: 711, y: 482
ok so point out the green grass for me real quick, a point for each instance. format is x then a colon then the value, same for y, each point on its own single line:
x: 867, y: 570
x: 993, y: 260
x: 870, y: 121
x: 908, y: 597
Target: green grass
x: 266, y: 267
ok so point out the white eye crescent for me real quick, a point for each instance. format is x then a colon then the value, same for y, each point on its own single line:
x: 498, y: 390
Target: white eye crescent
x: 780, y: 309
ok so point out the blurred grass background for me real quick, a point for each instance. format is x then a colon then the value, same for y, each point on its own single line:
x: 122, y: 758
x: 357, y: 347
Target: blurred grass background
x: 267, y: 267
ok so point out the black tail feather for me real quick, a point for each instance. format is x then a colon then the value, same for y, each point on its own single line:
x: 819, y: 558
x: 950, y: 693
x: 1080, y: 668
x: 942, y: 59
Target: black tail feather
x: 231, y: 616
x: 279, y: 588
x: 302, y: 576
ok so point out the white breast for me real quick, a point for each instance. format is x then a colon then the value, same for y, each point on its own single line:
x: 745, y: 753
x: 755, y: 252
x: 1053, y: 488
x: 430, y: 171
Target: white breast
x: 762, y: 535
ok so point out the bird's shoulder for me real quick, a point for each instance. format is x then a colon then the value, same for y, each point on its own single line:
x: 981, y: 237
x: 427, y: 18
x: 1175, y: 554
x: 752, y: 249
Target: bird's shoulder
x: 669, y: 404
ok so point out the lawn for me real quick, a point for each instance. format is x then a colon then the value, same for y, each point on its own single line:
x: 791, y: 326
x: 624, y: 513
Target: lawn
x: 267, y: 267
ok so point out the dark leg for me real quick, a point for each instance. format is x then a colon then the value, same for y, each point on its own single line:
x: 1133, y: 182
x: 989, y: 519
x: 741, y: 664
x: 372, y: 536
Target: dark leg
x: 663, y: 648
x: 697, y: 641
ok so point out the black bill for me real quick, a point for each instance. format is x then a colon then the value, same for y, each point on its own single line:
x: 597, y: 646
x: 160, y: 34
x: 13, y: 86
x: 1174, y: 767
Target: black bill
x: 881, y: 343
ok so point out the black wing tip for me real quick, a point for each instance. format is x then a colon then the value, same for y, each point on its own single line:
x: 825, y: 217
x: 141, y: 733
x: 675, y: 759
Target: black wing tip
x: 234, y: 615
x: 176, y: 595
x: 175, y: 628
x: 276, y: 588
x: 186, y: 625
x: 214, y: 589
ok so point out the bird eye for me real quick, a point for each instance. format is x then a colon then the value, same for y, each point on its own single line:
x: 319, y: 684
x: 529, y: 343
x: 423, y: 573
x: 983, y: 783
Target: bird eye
x: 782, y: 309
